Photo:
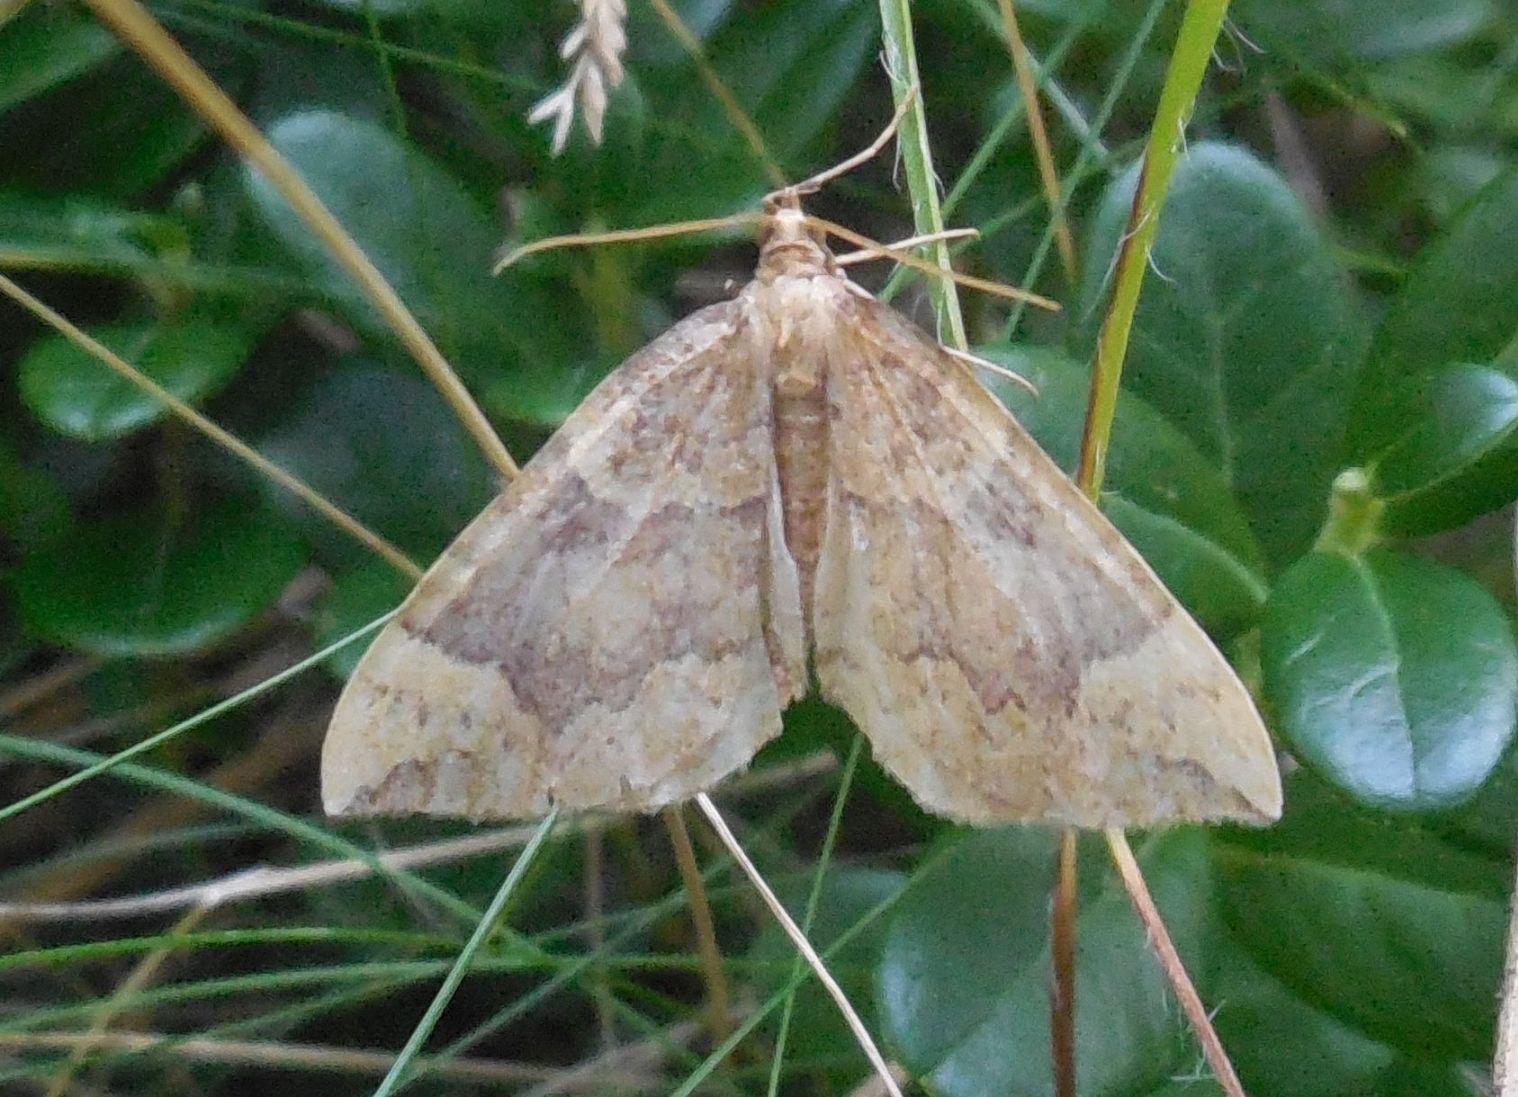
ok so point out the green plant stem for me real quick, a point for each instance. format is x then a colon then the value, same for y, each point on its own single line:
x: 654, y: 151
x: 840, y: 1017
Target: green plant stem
x: 917, y: 161
x: 1354, y: 516
x: 1188, y: 62
x: 482, y: 930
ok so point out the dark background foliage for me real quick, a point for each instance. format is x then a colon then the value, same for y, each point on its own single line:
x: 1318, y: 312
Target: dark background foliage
x: 1316, y: 447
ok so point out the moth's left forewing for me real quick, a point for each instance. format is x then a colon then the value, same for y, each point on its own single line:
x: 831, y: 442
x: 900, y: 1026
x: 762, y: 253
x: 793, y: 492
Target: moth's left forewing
x: 618, y: 630
x: 1008, y: 653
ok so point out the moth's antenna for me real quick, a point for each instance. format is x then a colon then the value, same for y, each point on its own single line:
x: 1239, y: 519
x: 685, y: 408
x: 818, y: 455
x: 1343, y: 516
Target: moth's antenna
x: 807, y: 186
x: 885, y: 251
x: 909, y: 260
x: 992, y: 367
x: 622, y: 236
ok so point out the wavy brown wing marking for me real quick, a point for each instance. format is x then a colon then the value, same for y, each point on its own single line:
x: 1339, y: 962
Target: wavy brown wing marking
x: 619, y: 629
x: 1010, y: 657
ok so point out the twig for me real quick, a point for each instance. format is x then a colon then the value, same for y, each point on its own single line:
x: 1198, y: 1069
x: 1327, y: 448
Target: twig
x: 303, y: 1057
x: 1062, y: 957
x: 27, y: 693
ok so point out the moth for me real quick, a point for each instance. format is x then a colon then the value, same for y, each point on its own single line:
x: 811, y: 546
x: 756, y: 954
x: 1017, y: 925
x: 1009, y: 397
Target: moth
x: 797, y: 485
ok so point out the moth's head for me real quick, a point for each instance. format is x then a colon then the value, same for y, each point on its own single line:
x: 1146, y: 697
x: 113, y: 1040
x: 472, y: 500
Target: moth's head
x: 789, y: 244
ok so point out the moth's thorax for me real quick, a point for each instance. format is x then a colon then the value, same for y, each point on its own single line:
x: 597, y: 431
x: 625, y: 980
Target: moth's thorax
x: 789, y: 247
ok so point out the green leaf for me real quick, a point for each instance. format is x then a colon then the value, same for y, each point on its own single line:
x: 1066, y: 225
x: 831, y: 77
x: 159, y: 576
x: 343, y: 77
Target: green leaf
x: 1281, y: 1044
x: 965, y: 972
x: 792, y: 64
x: 356, y: 597
x: 1247, y: 337
x: 1459, y: 304
x: 1395, y: 677
x: 1327, y: 32
x: 1456, y: 455
x: 381, y: 444
x: 1359, y: 914
x: 149, y: 583
x: 33, y: 506
x: 436, y: 247
x: 48, y: 46
x: 113, y: 131
x: 817, y: 1029
x: 80, y: 233
x: 76, y: 395
x: 1160, y: 491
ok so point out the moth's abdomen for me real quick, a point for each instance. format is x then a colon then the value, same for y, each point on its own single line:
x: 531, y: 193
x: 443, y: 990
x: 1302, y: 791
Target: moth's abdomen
x: 801, y: 456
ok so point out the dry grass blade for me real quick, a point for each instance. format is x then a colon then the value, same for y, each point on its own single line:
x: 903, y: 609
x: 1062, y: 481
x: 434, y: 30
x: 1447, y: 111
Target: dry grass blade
x: 798, y: 939
x: 223, y: 438
x: 1022, y: 64
x: 1170, y: 961
x: 135, y: 26
x: 730, y: 105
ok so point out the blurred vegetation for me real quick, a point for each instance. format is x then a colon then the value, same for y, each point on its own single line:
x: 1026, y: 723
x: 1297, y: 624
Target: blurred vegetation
x: 1316, y: 446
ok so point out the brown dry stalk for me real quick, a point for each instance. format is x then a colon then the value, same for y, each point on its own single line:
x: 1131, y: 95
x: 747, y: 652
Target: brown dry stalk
x: 1170, y: 962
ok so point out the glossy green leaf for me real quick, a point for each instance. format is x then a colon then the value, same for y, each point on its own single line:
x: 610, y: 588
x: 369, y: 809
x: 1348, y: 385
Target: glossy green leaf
x: 113, y: 131
x: 356, y: 597
x: 1395, y: 677
x: 1160, y: 491
x: 381, y: 444
x: 76, y: 395
x: 965, y: 972
x: 789, y: 63
x: 792, y: 64
x: 1280, y: 1043
x: 46, y: 46
x: 1359, y: 915
x: 435, y: 245
x: 817, y: 1029
x: 1456, y: 456
x: 1327, y: 31
x: 33, y: 506
x: 149, y: 583
x: 1246, y: 336
x: 1458, y: 304
x: 81, y: 233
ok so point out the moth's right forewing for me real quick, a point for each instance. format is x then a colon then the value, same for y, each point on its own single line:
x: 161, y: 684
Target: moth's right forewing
x: 1009, y: 655
x: 614, y: 631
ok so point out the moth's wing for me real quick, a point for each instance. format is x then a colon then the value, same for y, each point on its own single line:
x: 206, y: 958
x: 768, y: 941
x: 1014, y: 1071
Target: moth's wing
x: 621, y: 628
x: 1009, y: 655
